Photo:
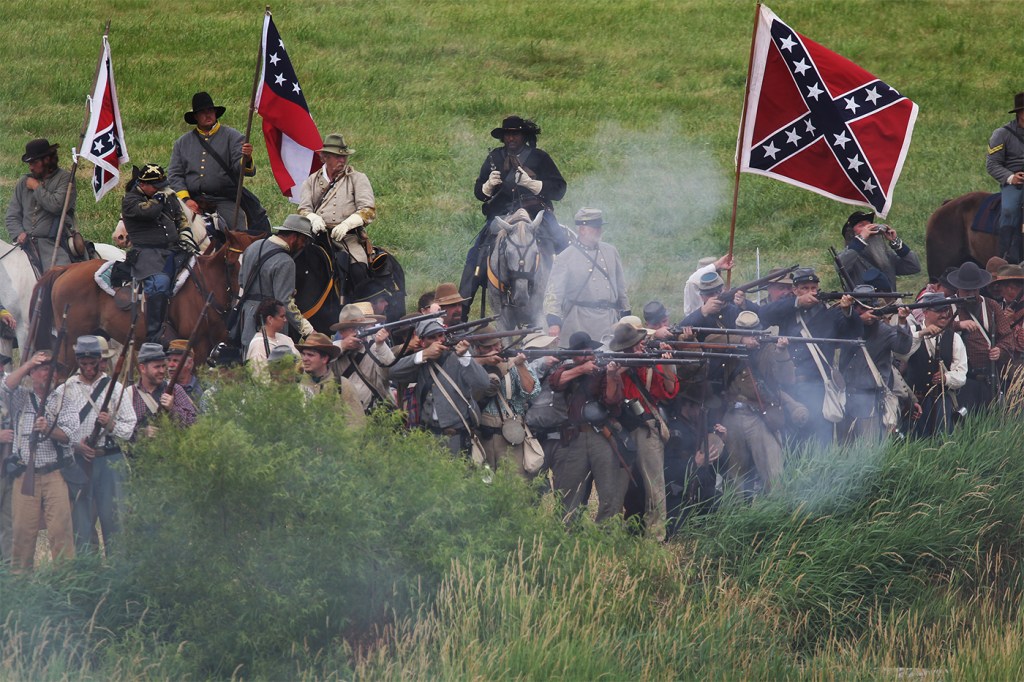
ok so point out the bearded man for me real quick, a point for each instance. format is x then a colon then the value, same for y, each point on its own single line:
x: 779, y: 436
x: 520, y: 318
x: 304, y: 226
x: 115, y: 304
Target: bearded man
x: 33, y: 216
x: 875, y: 254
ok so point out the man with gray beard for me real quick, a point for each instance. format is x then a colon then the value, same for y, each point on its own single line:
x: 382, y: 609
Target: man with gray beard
x: 875, y: 254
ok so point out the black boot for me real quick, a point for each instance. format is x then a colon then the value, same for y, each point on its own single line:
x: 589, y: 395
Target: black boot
x: 156, y: 311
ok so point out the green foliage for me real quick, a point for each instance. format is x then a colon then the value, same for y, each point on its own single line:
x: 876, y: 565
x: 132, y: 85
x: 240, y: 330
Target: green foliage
x: 271, y: 524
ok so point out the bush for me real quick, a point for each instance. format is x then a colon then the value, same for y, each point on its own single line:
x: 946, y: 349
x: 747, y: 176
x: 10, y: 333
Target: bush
x: 270, y: 529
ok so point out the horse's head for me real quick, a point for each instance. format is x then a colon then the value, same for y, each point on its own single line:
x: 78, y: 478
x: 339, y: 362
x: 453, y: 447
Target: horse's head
x: 518, y: 257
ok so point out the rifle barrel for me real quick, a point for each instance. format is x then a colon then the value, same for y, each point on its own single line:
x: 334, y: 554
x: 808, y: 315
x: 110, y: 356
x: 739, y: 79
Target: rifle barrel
x: 398, y: 324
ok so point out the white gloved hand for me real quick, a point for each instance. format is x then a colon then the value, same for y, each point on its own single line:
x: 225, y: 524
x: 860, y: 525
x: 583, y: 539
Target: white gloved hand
x: 526, y: 182
x: 319, y: 226
x: 347, y: 225
x: 493, y: 183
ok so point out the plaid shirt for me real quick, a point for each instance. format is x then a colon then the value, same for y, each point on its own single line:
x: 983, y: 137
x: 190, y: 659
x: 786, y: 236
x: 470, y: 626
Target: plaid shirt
x: 77, y: 394
x: 22, y: 402
x: 183, y: 411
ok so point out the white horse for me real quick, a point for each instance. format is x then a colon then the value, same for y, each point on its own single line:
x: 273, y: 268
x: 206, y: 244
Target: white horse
x: 17, y: 279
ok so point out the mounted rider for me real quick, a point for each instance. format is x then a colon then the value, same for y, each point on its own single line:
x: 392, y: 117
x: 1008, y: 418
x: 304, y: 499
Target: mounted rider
x: 33, y: 216
x: 339, y: 199
x: 515, y: 175
x: 160, y: 237
x: 1005, y: 163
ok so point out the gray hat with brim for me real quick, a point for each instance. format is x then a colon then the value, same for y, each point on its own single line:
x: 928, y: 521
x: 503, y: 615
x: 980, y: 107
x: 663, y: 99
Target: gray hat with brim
x: 335, y: 144
x: 282, y: 352
x: 625, y: 336
x: 151, y: 352
x: 428, y: 328
x: 298, y: 224
x: 969, y: 277
x: 591, y: 217
x: 89, y: 346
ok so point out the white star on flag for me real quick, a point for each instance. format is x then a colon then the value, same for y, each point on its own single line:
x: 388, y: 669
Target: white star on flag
x: 295, y: 88
x: 770, y: 150
x: 851, y: 105
x: 279, y: 79
x: 841, y: 140
x: 810, y: 127
x: 274, y: 59
x: 788, y: 43
x: 855, y: 163
x: 801, y: 66
x: 792, y: 137
x: 869, y: 186
x: 814, y: 92
x: 872, y: 95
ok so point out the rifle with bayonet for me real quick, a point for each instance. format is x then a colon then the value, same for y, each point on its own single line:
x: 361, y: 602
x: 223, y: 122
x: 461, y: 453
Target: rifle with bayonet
x: 28, y: 484
x: 391, y: 327
x: 893, y: 307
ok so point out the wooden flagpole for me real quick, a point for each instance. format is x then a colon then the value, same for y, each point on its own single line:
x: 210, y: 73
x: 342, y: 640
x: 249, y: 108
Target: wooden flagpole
x: 739, y: 147
x: 74, y: 163
x: 248, y: 124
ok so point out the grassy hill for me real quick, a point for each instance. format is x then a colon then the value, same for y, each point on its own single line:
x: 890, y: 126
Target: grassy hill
x: 639, y: 104
x: 289, y: 547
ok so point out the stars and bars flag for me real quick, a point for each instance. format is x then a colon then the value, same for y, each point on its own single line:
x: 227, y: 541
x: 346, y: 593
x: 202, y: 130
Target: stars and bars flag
x: 816, y: 120
x: 291, y: 135
x: 103, y: 143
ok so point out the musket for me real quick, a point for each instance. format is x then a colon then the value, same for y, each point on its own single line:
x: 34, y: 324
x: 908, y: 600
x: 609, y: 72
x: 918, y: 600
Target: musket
x: 125, y: 353
x: 844, y: 276
x: 452, y: 339
x: 398, y: 324
x: 727, y: 296
x: 188, y: 349
x: 767, y: 337
x: 836, y: 295
x: 472, y: 324
x: 697, y: 345
x: 893, y: 307
x: 28, y: 484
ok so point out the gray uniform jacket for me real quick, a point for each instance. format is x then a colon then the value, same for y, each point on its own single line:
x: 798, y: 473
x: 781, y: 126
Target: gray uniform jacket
x: 275, y: 279
x: 376, y: 374
x: 37, y: 212
x: 153, y: 227
x: 586, y: 290
x: 470, y: 378
x: 194, y: 172
x: 1005, y: 152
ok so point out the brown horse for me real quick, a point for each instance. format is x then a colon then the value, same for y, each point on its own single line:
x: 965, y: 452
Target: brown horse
x: 949, y: 239
x: 92, y: 310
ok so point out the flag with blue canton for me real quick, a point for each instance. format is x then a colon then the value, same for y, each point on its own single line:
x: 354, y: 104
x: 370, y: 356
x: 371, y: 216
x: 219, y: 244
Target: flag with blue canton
x: 816, y: 120
x: 103, y: 143
x: 288, y: 129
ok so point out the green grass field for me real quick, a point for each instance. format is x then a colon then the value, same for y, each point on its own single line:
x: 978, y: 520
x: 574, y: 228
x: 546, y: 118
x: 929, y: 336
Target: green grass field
x: 639, y: 103
x: 391, y: 563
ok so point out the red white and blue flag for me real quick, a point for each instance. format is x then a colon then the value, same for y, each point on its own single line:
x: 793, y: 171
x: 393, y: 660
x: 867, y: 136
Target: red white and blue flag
x: 103, y: 143
x: 291, y: 135
x: 816, y: 120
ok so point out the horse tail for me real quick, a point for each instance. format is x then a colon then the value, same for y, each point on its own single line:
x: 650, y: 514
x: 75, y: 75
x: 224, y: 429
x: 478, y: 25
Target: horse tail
x: 41, y: 310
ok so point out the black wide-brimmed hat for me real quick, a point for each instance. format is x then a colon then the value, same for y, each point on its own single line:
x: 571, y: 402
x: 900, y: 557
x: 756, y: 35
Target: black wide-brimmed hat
x: 200, y: 102
x: 515, y: 124
x: 856, y: 218
x: 37, y: 149
x: 1018, y: 103
x: 582, y: 341
x: 969, y: 276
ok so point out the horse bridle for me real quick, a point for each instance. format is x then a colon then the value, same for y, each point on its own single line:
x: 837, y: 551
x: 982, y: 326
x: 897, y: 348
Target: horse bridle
x: 507, y: 277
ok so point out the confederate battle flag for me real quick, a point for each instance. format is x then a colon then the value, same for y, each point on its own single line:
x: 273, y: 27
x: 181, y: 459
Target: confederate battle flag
x: 817, y: 120
x: 103, y: 143
x: 291, y: 135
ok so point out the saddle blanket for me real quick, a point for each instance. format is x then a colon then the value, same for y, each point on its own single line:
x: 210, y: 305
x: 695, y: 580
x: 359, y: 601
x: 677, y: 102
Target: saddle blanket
x: 104, y: 272
x: 986, y: 220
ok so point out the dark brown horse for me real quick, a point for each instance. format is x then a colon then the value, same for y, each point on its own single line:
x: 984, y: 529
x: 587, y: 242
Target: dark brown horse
x: 92, y: 310
x: 949, y: 239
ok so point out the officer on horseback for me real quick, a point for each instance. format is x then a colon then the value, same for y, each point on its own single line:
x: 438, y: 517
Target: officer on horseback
x: 339, y: 199
x: 1005, y: 163
x: 516, y: 175
x: 155, y: 224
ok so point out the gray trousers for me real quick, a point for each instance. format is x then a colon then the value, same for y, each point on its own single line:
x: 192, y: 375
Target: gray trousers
x: 650, y: 459
x: 6, y: 519
x: 589, y: 454
x: 107, y: 479
x: 755, y: 453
